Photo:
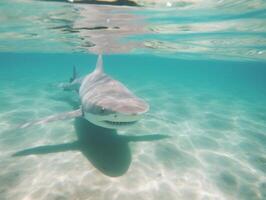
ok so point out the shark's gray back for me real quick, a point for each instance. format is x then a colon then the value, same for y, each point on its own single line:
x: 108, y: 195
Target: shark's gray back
x: 99, y: 91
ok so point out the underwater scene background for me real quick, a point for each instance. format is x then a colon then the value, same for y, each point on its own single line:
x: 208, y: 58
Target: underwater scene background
x: 199, y: 64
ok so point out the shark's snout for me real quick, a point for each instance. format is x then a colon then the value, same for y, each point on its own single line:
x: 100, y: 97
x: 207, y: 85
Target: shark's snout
x: 132, y: 107
x: 123, y: 106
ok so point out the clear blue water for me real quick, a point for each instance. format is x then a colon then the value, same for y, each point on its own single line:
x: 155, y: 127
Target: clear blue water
x: 200, y: 66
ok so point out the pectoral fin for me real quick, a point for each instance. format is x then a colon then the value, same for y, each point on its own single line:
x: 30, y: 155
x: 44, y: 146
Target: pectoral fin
x: 53, y: 118
x: 160, y: 118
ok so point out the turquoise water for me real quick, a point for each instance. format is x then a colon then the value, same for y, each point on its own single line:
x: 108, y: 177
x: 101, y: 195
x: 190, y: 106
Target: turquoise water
x: 200, y: 66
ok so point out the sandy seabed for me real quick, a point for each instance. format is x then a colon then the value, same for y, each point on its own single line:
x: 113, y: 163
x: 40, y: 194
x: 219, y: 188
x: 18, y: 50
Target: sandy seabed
x: 194, y: 146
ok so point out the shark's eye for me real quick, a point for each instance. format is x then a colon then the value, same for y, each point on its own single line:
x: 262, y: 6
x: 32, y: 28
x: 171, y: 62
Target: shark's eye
x: 102, y: 110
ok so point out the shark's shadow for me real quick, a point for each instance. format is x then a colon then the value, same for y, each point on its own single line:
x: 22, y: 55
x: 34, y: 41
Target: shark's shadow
x: 104, y: 148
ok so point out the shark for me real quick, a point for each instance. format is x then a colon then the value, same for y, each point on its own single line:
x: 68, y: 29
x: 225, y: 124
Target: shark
x: 105, y: 102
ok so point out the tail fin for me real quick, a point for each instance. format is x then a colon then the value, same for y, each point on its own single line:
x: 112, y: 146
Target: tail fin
x: 52, y: 118
x: 99, y: 64
x: 74, y: 74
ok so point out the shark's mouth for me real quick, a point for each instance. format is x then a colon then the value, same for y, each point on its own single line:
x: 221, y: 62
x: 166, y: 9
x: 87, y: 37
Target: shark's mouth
x: 119, y: 123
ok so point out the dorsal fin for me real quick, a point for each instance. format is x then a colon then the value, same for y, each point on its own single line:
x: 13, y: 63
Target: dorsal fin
x: 99, y: 64
x: 74, y: 74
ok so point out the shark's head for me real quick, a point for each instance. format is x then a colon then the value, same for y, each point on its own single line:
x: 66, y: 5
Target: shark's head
x: 116, y: 115
x: 108, y: 103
